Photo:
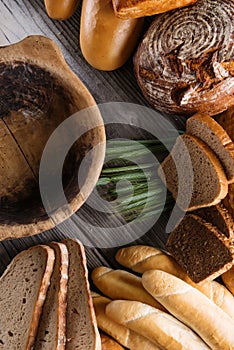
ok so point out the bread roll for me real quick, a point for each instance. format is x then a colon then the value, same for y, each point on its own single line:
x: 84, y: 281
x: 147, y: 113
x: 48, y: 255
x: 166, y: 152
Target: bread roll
x: 119, y: 284
x: 61, y: 9
x: 109, y: 344
x: 191, y: 307
x: 162, y: 329
x: 106, y: 41
x: 144, y: 258
x: 228, y: 279
x: 141, y: 8
x: 123, y: 335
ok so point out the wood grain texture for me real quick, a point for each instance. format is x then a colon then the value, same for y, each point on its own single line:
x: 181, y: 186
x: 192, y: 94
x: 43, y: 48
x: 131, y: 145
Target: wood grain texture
x: 20, y: 18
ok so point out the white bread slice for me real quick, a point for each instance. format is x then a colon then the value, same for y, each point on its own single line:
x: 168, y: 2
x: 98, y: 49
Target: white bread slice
x: 213, y: 134
x: 209, y: 185
x: 23, y: 288
x: 51, y: 332
x: 82, y: 332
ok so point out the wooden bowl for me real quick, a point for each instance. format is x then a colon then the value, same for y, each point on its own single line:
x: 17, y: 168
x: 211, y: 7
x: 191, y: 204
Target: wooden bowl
x: 38, y: 92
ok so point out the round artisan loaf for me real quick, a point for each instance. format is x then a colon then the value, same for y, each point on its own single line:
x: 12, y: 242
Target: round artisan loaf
x: 185, y: 62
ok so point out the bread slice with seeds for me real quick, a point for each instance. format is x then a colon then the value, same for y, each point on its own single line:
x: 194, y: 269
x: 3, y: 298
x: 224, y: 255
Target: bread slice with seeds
x: 23, y: 288
x: 213, y: 134
x: 200, y: 249
x: 52, y: 328
x: 82, y: 332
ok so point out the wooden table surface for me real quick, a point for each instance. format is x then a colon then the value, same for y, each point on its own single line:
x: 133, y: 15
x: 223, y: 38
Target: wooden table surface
x: 18, y: 19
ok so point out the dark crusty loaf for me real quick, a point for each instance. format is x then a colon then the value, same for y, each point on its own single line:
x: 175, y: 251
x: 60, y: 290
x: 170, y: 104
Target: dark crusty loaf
x: 200, y: 249
x: 141, y: 8
x: 23, y: 288
x: 213, y: 134
x: 218, y: 216
x: 184, y: 63
x: 209, y: 184
x: 51, y: 332
x: 82, y: 332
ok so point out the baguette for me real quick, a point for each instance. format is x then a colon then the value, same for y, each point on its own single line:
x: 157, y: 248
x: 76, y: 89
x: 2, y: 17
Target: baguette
x: 109, y: 344
x: 228, y: 279
x: 119, y: 284
x: 106, y: 41
x: 160, y: 328
x: 143, y: 258
x: 122, y: 334
x: 191, y: 307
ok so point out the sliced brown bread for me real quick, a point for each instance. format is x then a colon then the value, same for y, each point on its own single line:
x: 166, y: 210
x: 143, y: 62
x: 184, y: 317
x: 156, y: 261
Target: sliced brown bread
x: 213, y: 134
x: 209, y: 185
x: 23, y: 288
x: 200, y: 249
x: 51, y: 332
x: 218, y: 216
x: 82, y: 332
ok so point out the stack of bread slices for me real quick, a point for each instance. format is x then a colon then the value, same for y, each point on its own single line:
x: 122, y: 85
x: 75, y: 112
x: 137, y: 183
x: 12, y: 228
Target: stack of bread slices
x: 200, y: 174
x: 45, y: 300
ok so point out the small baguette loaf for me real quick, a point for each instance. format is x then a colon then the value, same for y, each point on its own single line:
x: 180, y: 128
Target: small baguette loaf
x: 191, y: 307
x: 122, y: 334
x: 162, y: 329
x: 109, y: 344
x: 119, y: 284
x: 144, y: 258
x: 228, y: 279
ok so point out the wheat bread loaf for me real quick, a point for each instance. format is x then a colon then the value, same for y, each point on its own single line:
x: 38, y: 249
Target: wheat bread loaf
x: 51, y: 332
x: 23, y: 288
x: 162, y: 329
x: 218, y: 216
x: 144, y: 258
x: 123, y: 335
x: 192, y: 308
x: 209, y: 183
x: 120, y: 284
x: 200, y: 249
x: 140, y: 8
x: 214, y: 135
x: 228, y: 279
x: 226, y: 120
x: 81, y: 327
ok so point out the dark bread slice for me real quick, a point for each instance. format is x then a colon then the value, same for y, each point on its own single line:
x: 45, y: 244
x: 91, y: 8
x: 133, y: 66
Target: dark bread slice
x: 51, y: 332
x: 213, y: 134
x: 218, y: 216
x: 200, y: 249
x: 81, y: 332
x: 209, y: 185
x: 23, y: 288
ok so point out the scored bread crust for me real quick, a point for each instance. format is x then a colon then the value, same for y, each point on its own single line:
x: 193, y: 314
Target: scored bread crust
x: 142, y: 8
x: 57, y: 297
x: 170, y: 163
x: 219, y: 136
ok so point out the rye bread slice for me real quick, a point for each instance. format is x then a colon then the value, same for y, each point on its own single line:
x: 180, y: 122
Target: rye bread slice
x: 81, y: 330
x: 209, y: 185
x: 213, y: 134
x: 23, y: 288
x: 51, y: 332
x: 218, y: 216
x: 200, y: 249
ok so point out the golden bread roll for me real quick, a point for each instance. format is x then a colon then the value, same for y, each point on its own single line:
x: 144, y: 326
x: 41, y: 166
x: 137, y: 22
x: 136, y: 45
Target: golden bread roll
x: 144, y: 258
x: 141, y: 8
x: 192, y: 308
x: 106, y: 41
x: 109, y: 344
